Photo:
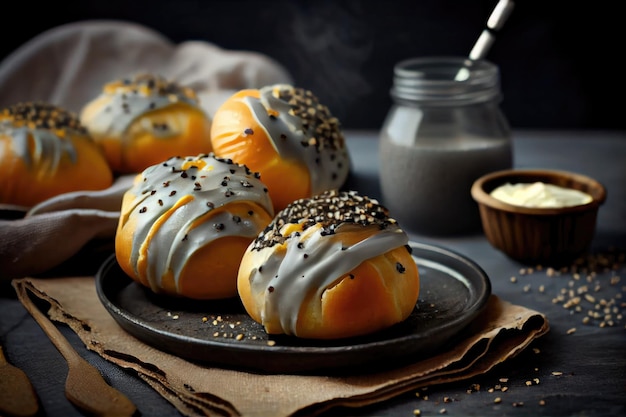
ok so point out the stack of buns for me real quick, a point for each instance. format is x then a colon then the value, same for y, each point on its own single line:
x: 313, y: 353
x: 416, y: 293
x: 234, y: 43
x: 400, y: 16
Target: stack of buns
x: 332, y: 266
x: 246, y: 204
x: 135, y: 122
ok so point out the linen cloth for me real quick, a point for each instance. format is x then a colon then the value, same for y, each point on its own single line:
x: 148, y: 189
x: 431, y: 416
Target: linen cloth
x: 68, y: 66
x: 499, y: 333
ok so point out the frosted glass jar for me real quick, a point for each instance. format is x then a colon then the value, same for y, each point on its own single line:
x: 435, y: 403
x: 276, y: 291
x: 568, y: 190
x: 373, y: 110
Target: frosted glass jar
x: 444, y: 130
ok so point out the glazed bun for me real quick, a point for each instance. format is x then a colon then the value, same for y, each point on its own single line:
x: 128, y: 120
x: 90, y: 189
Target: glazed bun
x: 284, y: 133
x: 143, y: 120
x: 186, y: 222
x: 328, y: 267
x: 45, y: 151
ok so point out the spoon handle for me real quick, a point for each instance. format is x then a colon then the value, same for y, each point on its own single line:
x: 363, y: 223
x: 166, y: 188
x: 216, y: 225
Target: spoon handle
x: 84, y: 385
x: 17, y: 396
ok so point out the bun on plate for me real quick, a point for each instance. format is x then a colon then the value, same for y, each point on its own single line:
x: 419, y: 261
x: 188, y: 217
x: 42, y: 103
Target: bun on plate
x: 186, y: 222
x: 145, y: 119
x: 45, y: 151
x: 327, y: 267
x: 287, y: 135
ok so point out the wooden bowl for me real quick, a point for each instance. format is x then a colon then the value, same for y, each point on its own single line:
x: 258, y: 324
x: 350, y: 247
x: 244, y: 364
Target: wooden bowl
x: 554, y: 236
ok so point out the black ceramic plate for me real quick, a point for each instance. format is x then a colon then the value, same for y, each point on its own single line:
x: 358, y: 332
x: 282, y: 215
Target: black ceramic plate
x: 454, y: 290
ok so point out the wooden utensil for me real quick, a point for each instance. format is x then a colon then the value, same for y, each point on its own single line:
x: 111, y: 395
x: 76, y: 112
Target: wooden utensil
x: 84, y: 385
x: 17, y: 396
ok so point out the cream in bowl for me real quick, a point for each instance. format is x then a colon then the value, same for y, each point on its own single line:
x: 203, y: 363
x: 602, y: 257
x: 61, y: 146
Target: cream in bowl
x: 539, y: 216
x: 540, y: 195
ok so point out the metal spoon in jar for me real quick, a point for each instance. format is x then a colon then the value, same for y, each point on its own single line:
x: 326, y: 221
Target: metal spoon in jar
x: 496, y: 20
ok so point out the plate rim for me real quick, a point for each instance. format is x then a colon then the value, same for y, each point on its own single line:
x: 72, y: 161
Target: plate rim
x: 471, y: 310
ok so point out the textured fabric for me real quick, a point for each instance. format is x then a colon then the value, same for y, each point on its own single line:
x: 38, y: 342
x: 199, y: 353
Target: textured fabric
x: 68, y: 66
x: 499, y: 333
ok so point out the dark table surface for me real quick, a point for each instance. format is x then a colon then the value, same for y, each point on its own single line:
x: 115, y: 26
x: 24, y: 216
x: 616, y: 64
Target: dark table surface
x: 577, y: 369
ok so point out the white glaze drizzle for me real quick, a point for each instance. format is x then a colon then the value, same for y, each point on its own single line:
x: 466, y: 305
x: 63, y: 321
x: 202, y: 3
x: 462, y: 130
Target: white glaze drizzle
x: 48, y: 148
x: 124, y: 107
x: 293, y: 276
x: 177, y: 238
x: 328, y: 169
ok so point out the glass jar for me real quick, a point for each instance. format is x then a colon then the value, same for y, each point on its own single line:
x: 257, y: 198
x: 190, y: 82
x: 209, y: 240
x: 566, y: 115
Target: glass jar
x: 444, y: 130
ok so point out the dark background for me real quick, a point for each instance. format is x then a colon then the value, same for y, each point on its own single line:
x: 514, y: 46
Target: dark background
x: 560, y: 61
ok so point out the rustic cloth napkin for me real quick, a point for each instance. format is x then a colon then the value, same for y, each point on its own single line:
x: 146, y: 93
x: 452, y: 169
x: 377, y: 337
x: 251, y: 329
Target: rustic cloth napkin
x: 499, y: 333
x: 68, y: 66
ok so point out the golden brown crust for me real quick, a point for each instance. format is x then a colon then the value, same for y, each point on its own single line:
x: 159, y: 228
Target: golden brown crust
x: 143, y: 120
x: 44, y: 152
x: 185, y: 224
x: 287, y: 180
x: 284, y: 133
x: 326, y: 277
x: 371, y: 297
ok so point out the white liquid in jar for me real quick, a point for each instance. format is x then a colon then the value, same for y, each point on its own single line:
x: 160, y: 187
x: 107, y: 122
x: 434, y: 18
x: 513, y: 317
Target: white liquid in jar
x: 440, y: 135
x: 427, y: 185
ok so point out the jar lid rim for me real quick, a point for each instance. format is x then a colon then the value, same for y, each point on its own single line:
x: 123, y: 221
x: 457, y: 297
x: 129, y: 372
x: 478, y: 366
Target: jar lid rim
x: 412, y: 66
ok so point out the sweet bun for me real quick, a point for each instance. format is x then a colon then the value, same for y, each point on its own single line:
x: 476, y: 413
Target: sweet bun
x: 143, y: 120
x: 328, y: 267
x: 186, y: 222
x: 284, y: 133
x: 45, y: 151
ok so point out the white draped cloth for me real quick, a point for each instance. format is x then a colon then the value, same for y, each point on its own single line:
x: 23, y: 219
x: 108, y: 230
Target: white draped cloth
x: 68, y: 66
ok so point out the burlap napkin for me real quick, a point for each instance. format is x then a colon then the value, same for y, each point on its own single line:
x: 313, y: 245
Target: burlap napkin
x: 499, y: 333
